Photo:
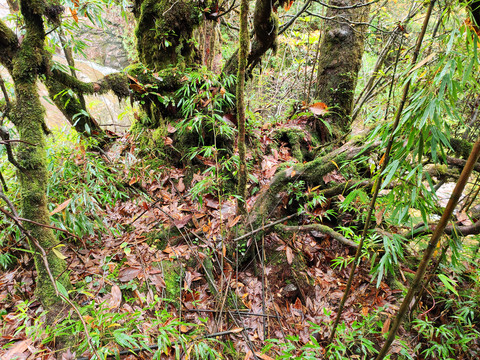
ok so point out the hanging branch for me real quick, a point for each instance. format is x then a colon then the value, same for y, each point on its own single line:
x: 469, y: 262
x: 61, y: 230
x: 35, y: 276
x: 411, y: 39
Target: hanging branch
x: 379, y: 182
x: 432, y: 245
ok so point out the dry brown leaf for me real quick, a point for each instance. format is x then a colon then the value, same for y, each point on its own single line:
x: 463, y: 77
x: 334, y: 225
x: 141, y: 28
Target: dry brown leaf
x: 74, y: 14
x: 127, y: 274
x: 379, y: 215
x: 17, y: 349
x: 298, y: 304
x: 319, y: 108
x: 259, y: 354
x: 386, y: 326
x: 116, y: 297
x: 289, y: 255
x: 181, y: 185
x: 61, y: 207
x: 133, y: 181
x: 288, y: 5
x: 68, y: 355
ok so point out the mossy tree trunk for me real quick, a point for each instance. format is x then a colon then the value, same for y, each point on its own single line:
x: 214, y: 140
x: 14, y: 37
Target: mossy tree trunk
x: 340, y: 59
x: 265, y: 28
x: 72, y: 106
x: 165, y: 32
x: 242, y: 64
x: 25, y: 63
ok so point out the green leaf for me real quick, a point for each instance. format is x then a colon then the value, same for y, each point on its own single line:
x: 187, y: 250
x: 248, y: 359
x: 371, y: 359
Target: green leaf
x: 391, y: 172
x: 449, y: 283
x: 61, y: 289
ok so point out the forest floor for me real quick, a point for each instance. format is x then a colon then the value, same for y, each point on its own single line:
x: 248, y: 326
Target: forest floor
x: 275, y: 297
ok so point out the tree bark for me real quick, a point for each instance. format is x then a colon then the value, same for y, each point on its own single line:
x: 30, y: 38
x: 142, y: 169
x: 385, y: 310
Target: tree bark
x: 28, y: 116
x: 242, y: 64
x: 339, y: 62
x: 165, y: 31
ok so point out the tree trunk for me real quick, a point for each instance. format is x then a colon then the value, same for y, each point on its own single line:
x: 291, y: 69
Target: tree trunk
x: 165, y: 31
x: 28, y: 117
x: 339, y: 62
x: 242, y: 64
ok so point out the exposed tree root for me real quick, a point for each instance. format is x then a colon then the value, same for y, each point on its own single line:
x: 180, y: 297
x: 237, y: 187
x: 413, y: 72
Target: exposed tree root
x: 311, y: 172
x: 319, y: 228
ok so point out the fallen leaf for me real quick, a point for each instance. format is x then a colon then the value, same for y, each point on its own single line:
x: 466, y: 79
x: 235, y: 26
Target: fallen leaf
x: 289, y: 255
x: 180, y: 185
x: 288, y: 5
x: 68, y: 355
x: 116, y: 297
x: 59, y: 254
x: 127, y: 274
x: 379, y: 215
x: 17, y: 349
x: 61, y: 207
x: 74, y: 14
x: 260, y: 355
x: 386, y: 326
x: 168, y: 141
x: 319, y: 108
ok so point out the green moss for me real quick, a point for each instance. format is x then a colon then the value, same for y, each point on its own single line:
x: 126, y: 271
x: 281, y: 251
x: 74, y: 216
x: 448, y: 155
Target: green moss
x: 462, y: 148
x: 165, y: 31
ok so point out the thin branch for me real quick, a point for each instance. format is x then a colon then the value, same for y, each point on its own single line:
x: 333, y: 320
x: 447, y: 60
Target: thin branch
x: 346, y: 7
x: 5, y: 135
x: 4, y: 183
x: 50, y: 227
x: 43, y: 253
x: 295, y: 17
x: 265, y: 227
x: 235, y: 312
x: 226, y: 11
x: 8, y: 105
x: 344, y: 19
x: 321, y: 229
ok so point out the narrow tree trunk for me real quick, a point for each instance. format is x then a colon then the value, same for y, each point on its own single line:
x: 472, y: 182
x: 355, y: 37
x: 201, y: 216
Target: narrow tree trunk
x: 28, y: 117
x: 340, y: 60
x: 242, y: 64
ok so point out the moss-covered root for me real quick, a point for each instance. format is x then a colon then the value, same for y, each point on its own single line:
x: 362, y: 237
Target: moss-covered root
x: 323, y: 229
x: 311, y: 172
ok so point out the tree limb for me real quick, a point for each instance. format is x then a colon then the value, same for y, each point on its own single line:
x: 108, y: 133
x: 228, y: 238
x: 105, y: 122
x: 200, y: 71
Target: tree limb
x: 9, y: 45
x: 319, y: 228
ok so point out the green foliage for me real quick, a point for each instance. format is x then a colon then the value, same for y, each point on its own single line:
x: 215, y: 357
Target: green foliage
x: 391, y: 258
x: 109, y: 329
x: 358, y: 341
x: 203, y: 102
x: 83, y: 179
